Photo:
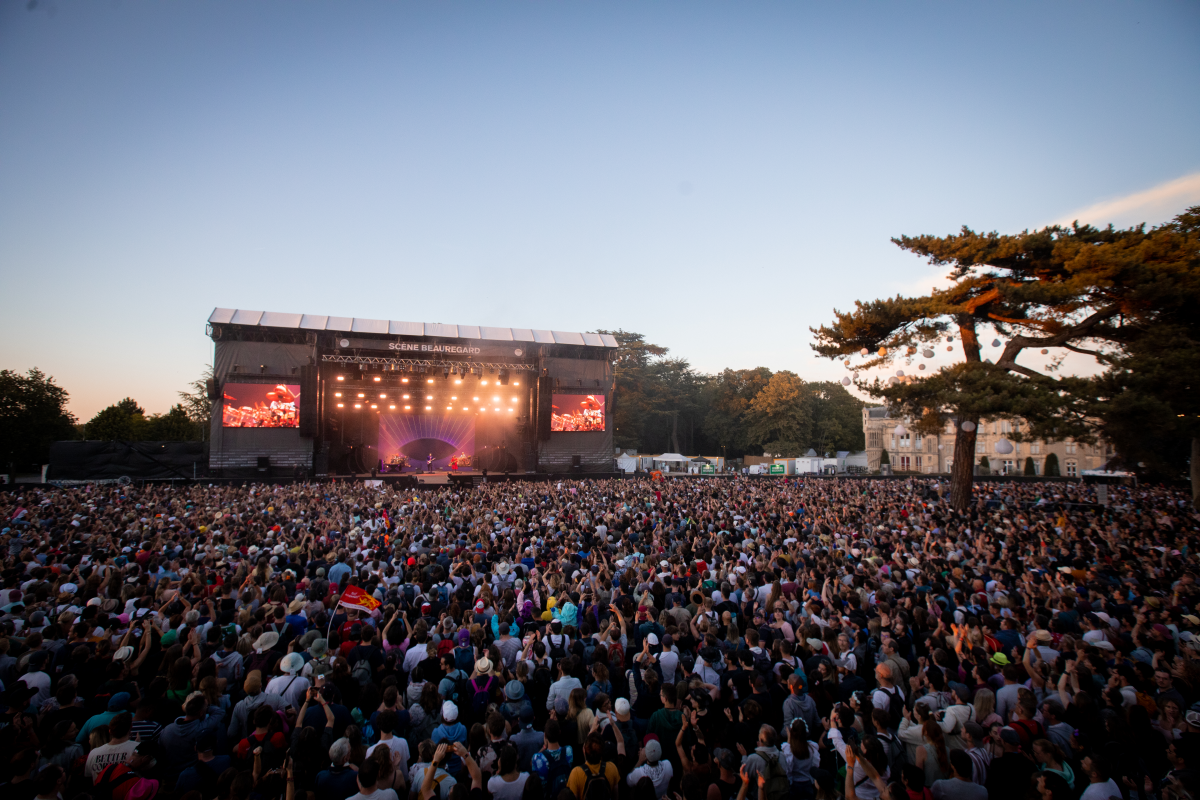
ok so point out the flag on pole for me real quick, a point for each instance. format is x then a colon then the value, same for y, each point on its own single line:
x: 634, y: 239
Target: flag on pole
x: 355, y: 597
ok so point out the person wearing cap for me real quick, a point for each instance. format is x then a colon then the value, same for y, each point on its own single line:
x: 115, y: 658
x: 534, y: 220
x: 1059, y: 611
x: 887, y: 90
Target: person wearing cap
x: 650, y: 764
x: 243, y: 712
x: 117, y: 704
x: 1009, y: 773
x: 178, y: 739
x: 514, y: 703
x: 450, y: 731
x: 291, y: 686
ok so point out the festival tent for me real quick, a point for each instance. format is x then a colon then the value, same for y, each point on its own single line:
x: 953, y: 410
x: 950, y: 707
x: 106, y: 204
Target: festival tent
x: 627, y: 463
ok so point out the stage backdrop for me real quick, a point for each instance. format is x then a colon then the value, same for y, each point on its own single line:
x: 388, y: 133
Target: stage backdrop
x: 418, y: 435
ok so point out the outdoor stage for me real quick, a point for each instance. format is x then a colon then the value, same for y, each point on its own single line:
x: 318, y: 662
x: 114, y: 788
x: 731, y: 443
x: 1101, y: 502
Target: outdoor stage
x: 469, y: 478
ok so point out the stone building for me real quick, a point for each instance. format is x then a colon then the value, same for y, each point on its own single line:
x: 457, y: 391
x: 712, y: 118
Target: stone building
x: 913, y: 452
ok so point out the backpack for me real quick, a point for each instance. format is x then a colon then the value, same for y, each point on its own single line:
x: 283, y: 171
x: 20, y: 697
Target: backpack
x: 897, y: 754
x: 108, y: 781
x: 362, y: 672
x: 557, y: 771
x: 480, y: 697
x: 558, y: 651
x: 616, y: 655
x: 895, y: 707
x: 762, y: 662
x: 595, y: 786
x: 464, y: 658
x: 777, y: 787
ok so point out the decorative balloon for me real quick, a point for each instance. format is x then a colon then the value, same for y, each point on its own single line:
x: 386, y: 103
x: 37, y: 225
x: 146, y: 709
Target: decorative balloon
x: 949, y: 349
x: 883, y: 351
x: 900, y: 430
x: 1004, y: 447
x: 941, y: 447
x: 899, y: 373
x: 920, y: 366
x: 892, y: 380
x: 865, y: 351
x: 927, y: 353
x: 995, y: 342
x: 968, y: 426
x: 845, y: 381
x: 949, y: 340
x: 1045, y: 352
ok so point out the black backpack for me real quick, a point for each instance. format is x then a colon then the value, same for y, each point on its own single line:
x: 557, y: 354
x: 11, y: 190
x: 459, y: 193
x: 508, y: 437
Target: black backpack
x: 558, y: 651
x: 558, y: 770
x: 895, y: 707
x: 596, y: 786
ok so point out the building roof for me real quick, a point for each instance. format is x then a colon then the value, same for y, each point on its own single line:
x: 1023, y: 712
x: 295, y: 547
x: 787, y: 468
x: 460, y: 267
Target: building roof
x: 877, y: 412
x: 317, y: 322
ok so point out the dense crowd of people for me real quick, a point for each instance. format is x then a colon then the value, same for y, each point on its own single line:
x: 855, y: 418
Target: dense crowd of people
x: 695, y: 638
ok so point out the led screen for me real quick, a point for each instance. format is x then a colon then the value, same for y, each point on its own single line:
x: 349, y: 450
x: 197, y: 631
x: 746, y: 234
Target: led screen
x: 577, y: 412
x: 260, y: 405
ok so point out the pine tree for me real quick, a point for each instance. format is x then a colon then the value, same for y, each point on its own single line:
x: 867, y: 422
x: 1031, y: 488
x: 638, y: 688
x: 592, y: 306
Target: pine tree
x: 884, y: 458
x: 985, y: 466
x: 1052, y: 466
x: 1058, y: 287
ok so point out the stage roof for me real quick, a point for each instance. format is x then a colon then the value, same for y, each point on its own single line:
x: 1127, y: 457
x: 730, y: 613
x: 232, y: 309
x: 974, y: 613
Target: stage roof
x: 317, y: 322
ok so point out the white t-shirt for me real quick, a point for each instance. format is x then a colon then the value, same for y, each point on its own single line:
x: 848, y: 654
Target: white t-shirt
x: 504, y: 790
x: 659, y: 774
x: 376, y: 794
x: 399, y: 748
x: 1101, y: 791
x: 107, y: 754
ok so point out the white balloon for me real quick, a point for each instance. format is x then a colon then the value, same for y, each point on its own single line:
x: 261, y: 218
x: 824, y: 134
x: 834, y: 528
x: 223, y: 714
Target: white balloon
x: 900, y: 430
x: 950, y: 340
x: 899, y: 373
x: 1004, y: 447
x: 941, y: 447
x: 845, y: 381
x: 968, y: 426
x: 920, y: 366
x: 892, y: 380
x: 995, y: 342
x: 927, y: 353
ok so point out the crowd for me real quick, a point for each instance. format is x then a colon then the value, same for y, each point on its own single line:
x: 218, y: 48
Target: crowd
x: 698, y: 639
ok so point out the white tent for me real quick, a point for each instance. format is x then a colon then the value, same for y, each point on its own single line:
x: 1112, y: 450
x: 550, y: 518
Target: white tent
x: 627, y: 463
x: 671, y: 457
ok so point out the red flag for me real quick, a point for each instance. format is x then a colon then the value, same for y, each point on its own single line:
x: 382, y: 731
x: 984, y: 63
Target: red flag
x: 355, y: 597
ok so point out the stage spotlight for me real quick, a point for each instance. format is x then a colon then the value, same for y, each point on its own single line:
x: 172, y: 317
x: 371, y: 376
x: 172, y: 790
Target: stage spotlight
x: 484, y: 383
x: 392, y: 406
x: 429, y: 408
x: 449, y: 408
x: 381, y: 395
x: 446, y: 373
x: 337, y: 394
x: 341, y: 377
x: 428, y: 397
x: 360, y: 394
x: 374, y: 406
x: 378, y: 379
x: 516, y: 383
x: 453, y: 398
x: 491, y: 370
x: 504, y: 377
x: 358, y: 405
x: 476, y: 399
x: 494, y: 399
x: 405, y: 397
x: 429, y: 380
x: 458, y: 380
x: 341, y: 405
x: 408, y: 408
x: 404, y: 380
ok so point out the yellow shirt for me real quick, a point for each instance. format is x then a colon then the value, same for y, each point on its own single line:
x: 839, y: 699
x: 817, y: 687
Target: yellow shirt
x: 578, y: 779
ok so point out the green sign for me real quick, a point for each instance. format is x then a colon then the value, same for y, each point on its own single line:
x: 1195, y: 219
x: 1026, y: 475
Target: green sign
x: 778, y: 469
x: 708, y: 469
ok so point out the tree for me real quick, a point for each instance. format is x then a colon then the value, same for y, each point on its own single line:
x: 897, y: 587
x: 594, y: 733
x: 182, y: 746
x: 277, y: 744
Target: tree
x: 837, y: 418
x: 124, y: 421
x: 1058, y: 288
x: 33, y: 414
x: 985, y: 466
x: 1052, y: 466
x: 729, y: 395
x: 1030, y: 468
x: 781, y: 415
x: 196, y: 403
x: 631, y: 406
x: 174, y: 426
x: 884, y: 458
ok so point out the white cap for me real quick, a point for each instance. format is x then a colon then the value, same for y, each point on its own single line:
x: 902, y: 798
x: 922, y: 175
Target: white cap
x: 449, y: 711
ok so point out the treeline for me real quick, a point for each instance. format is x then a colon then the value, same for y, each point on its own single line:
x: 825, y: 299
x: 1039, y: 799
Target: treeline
x: 33, y: 414
x: 660, y: 404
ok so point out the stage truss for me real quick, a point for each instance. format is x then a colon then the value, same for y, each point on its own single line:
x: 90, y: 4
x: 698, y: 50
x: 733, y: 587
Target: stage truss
x: 402, y: 364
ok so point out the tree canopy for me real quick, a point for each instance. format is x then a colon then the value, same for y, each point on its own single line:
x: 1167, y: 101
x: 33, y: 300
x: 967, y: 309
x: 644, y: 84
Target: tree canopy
x: 33, y: 414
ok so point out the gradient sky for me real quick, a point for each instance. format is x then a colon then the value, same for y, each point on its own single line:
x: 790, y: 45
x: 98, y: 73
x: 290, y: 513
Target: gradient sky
x: 715, y: 175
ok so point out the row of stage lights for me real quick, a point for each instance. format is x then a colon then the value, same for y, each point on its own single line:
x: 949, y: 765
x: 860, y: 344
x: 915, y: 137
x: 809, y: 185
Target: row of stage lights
x: 393, y: 406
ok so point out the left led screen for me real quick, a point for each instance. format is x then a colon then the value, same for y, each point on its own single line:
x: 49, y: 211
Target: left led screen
x: 260, y: 405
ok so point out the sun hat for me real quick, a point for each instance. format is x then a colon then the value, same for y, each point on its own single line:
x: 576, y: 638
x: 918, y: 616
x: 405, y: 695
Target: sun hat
x: 483, y: 666
x: 266, y: 641
x: 514, y: 690
x: 292, y: 663
x: 319, y: 648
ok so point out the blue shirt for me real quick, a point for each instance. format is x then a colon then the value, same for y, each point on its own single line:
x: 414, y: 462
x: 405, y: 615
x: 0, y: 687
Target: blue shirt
x: 337, y: 571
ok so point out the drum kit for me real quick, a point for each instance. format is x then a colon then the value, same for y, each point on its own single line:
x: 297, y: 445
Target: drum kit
x: 462, y: 461
x: 397, y: 463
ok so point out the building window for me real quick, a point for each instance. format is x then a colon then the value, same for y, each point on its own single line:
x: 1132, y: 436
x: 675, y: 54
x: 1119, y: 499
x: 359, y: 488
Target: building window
x: 875, y: 439
x: 949, y: 464
x: 918, y: 462
x: 906, y: 440
x: 1035, y: 448
x: 1070, y: 448
x: 1005, y: 426
x: 918, y: 441
x: 905, y: 464
x: 979, y: 450
x: 1072, y: 469
x: 1016, y: 448
x: 1007, y: 468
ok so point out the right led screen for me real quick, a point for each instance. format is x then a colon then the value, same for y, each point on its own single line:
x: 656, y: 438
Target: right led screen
x: 577, y: 412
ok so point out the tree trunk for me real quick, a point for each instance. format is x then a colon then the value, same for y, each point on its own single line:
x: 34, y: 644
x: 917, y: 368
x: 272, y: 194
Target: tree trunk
x: 963, y: 471
x: 1195, y: 472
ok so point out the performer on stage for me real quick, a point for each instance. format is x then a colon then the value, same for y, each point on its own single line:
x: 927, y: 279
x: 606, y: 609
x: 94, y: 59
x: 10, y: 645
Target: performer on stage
x: 454, y: 463
x: 429, y: 463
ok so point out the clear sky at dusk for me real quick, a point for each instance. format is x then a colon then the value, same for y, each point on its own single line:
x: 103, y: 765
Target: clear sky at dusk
x: 716, y: 175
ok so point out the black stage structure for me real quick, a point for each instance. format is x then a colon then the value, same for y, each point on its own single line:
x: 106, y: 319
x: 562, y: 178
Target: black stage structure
x: 328, y: 396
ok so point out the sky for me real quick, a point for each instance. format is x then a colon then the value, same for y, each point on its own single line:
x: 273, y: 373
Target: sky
x: 717, y: 176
